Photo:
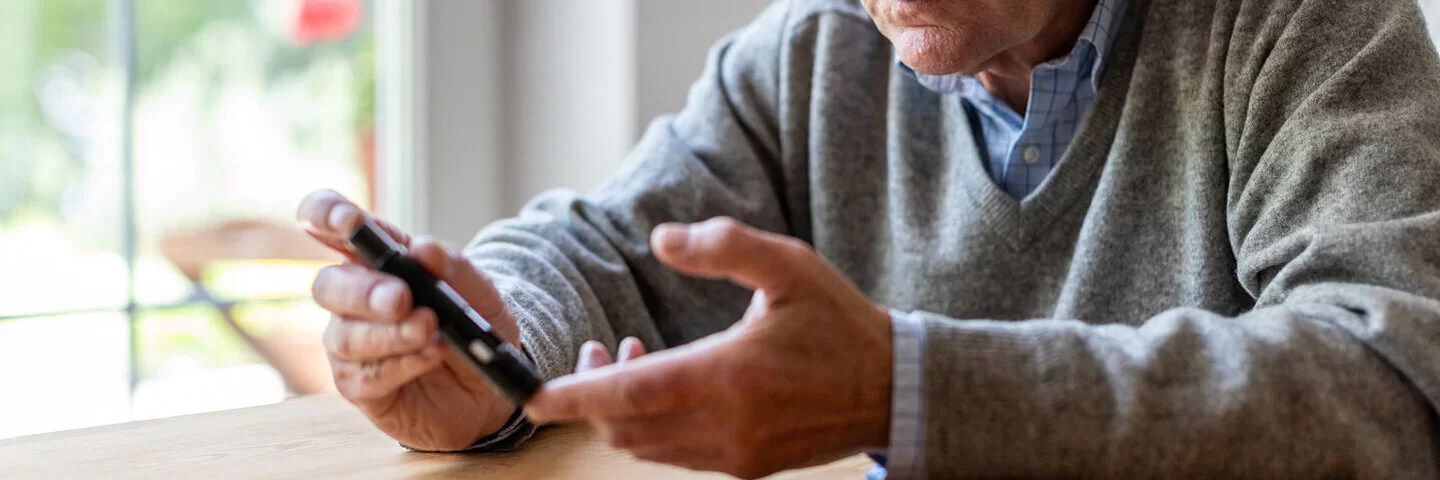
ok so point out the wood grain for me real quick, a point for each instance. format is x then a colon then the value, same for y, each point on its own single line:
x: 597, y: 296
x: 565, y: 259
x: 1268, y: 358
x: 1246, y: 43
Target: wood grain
x: 321, y: 437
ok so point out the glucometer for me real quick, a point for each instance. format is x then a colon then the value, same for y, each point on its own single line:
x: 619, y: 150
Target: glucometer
x: 501, y: 364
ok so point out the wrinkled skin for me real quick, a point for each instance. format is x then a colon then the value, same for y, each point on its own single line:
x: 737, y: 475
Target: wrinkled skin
x: 386, y: 357
x: 802, y: 379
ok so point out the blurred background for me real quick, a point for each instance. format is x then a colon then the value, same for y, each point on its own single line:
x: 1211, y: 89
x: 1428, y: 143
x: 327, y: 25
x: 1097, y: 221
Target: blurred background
x: 152, y: 153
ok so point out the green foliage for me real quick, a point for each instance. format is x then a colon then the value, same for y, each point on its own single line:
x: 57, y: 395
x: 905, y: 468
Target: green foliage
x: 63, y: 25
x: 163, y: 26
x: 51, y: 180
x: 38, y: 164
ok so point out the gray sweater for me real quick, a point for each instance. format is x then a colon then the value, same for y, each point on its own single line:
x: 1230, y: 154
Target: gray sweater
x: 1233, y: 271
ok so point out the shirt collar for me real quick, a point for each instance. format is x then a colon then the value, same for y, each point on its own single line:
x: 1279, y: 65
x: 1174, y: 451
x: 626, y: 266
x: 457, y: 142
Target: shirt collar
x: 1099, y: 35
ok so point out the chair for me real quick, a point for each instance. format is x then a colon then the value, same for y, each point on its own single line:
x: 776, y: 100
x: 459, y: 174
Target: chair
x: 299, y: 361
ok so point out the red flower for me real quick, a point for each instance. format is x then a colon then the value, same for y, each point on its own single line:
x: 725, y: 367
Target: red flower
x: 327, y: 20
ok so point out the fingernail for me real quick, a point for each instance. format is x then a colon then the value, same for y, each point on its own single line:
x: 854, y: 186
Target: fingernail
x: 593, y: 351
x: 671, y: 236
x: 628, y: 350
x: 385, y: 298
x: 342, y: 217
x: 628, y: 344
x: 592, y: 356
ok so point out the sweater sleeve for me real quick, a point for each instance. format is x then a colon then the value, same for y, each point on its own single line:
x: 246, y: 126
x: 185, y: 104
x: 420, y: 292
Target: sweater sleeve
x: 573, y: 268
x: 1334, y: 215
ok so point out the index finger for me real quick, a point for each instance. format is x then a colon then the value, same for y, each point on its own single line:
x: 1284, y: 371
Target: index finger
x: 645, y: 386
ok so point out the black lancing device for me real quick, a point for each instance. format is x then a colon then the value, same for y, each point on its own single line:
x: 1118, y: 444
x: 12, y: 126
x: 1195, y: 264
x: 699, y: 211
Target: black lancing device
x: 500, y: 363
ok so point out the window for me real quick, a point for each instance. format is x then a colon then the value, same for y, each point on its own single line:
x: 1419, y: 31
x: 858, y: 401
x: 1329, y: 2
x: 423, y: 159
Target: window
x: 1431, y: 8
x: 152, y: 153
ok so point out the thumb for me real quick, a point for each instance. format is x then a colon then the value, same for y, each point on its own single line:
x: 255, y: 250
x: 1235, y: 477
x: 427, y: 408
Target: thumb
x: 725, y: 248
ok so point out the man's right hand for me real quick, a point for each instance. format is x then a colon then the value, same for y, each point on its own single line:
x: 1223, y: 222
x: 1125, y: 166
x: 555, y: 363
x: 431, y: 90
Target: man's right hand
x: 385, y: 355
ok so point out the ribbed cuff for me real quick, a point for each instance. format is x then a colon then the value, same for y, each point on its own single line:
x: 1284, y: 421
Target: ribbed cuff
x: 905, y: 458
x: 516, y: 431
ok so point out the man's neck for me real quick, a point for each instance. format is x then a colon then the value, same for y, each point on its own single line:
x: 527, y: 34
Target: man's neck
x: 1007, y: 76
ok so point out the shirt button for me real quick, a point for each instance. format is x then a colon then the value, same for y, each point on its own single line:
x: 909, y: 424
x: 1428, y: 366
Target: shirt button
x: 1031, y: 154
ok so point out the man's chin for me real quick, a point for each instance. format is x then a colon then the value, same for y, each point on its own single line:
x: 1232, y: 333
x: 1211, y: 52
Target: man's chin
x: 933, y: 52
x: 937, y: 66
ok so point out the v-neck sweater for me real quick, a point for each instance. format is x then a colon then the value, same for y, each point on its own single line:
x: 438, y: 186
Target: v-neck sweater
x: 1232, y: 271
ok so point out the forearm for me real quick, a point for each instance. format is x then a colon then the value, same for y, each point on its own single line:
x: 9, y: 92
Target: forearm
x: 1303, y: 390
x: 558, y: 290
x: 565, y: 281
x: 576, y: 268
x: 572, y: 268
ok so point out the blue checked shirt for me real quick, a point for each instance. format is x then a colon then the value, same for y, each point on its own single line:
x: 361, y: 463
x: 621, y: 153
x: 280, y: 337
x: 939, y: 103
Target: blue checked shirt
x: 1020, y: 152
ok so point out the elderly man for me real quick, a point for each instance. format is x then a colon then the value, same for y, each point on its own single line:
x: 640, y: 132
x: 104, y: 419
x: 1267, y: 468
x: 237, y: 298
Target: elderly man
x: 998, y: 238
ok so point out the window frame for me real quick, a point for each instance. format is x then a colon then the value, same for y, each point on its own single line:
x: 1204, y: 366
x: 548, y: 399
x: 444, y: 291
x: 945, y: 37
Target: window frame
x: 393, y: 21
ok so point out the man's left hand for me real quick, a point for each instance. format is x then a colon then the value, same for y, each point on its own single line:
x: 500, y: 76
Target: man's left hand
x: 802, y: 379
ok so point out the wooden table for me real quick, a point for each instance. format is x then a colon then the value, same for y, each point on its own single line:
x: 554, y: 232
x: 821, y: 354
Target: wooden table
x: 321, y: 437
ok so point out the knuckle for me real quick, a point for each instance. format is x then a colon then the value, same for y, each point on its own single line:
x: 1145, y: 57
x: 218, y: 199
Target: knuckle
x: 343, y: 341
x: 727, y: 228
x: 323, y: 280
x: 726, y: 221
x: 424, y: 319
x: 796, y: 248
x: 357, y: 295
x: 340, y: 371
x: 344, y: 378
x: 632, y: 394
x: 461, y: 263
x: 424, y: 240
x: 425, y: 243
x: 436, y: 250
x: 372, y: 339
x: 372, y: 374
